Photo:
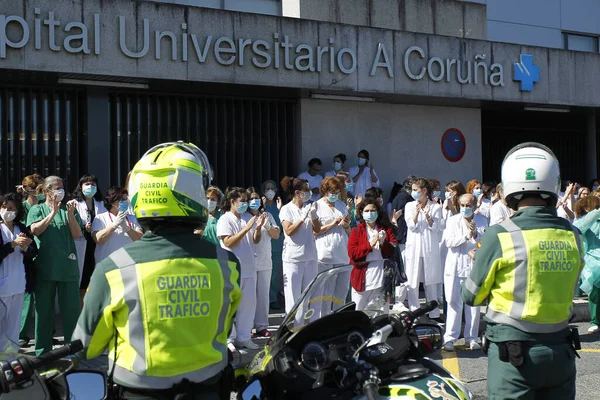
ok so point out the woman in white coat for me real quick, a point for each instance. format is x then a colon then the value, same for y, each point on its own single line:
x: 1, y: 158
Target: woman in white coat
x: 89, y: 202
x: 462, y: 233
x: 423, y: 262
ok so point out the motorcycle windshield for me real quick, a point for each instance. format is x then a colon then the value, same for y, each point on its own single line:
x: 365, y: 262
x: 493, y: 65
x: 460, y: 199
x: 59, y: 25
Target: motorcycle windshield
x: 328, y: 292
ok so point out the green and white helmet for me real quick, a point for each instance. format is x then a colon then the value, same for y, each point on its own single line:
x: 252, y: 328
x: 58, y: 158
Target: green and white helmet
x: 530, y: 168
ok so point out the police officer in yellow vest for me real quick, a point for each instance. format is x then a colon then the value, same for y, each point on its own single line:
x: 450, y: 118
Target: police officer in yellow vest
x: 163, y: 305
x: 528, y: 267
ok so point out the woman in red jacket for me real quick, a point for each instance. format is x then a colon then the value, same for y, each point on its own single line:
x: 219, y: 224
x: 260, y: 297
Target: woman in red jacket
x: 370, y: 242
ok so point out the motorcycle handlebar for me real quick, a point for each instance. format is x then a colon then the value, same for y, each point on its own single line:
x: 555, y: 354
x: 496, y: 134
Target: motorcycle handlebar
x: 22, y: 368
x: 371, y: 390
x: 424, y: 309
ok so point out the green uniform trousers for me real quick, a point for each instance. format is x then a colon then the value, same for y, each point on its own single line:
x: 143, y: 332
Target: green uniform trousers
x: 548, y: 372
x: 45, y: 316
x: 594, y: 299
x: 27, y: 316
x: 276, y: 278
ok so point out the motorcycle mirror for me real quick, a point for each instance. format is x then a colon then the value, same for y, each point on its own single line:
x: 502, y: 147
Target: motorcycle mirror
x: 253, y: 391
x: 430, y: 337
x: 86, y: 385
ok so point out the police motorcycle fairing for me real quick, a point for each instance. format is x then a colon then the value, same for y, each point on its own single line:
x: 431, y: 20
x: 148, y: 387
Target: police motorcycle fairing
x: 326, y: 349
x: 51, y: 376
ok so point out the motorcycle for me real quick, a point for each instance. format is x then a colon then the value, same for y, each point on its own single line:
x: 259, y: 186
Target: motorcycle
x: 326, y: 349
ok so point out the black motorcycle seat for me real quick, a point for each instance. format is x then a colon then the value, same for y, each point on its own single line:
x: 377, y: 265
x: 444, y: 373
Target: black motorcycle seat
x: 409, y: 372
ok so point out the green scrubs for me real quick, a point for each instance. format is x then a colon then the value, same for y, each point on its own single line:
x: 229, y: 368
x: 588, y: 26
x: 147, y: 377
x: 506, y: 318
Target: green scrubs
x: 57, y: 272
x: 210, y: 231
x: 276, y: 257
x: 28, y: 310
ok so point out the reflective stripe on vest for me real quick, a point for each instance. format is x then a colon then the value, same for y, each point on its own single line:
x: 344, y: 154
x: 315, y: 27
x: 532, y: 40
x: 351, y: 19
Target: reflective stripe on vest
x: 135, y: 374
x: 515, y: 316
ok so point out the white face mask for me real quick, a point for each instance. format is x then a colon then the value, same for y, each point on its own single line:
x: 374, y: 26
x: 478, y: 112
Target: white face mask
x: 270, y: 194
x: 60, y: 194
x: 306, y: 196
x: 212, y: 205
x: 7, y: 215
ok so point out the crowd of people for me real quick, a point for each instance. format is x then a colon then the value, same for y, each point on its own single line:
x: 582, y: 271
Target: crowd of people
x: 283, y: 235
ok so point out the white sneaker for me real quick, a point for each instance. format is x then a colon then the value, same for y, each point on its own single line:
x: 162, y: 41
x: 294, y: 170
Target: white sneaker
x: 449, y: 346
x: 593, y: 329
x: 474, y: 345
x: 248, y: 344
x: 399, y: 307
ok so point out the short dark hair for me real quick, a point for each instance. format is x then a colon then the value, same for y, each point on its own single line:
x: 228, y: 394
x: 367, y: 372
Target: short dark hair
x: 314, y: 161
x: 373, y: 193
x: 113, y: 195
x: 15, y: 198
x: 365, y: 152
x: 232, y: 193
x: 341, y: 156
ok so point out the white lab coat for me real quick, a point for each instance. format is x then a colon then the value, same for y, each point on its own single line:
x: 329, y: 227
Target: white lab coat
x: 458, y: 262
x: 80, y: 242
x: 423, y: 241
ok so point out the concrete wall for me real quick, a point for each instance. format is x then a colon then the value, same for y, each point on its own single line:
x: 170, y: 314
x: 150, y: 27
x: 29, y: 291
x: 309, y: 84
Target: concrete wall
x: 568, y: 78
x: 541, y: 22
x: 268, y: 7
x: 441, y: 17
x: 401, y: 139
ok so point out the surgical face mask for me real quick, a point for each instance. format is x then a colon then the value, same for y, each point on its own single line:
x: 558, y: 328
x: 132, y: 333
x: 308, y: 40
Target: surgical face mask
x: 369, y: 216
x: 212, y: 205
x: 89, y: 190
x: 254, y: 204
x: 477, y: 192
x: 350, y: 187
x: 466, y: 212
x: 7, y: 215
x: 448, y: 196
x: 332, y: 198
x: 337, y: 166
x: 415, y: 195
x: 270, y: 194
x: 595, y: 187
x: 242, y: 207
x: 60, y: 194
x: 362, y: 161
x: 123, y: 205
x: 437, y: 193
x: 41, y: 197
x: 306, y: 196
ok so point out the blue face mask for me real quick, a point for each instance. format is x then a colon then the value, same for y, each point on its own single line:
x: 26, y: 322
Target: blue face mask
x: 254, y: 204
x: 466, y: 212
x: 332, y: 198
x: 123, y: 205
x: 370, y: 216
x: 362, y: 161
x: 415, y: 195
x: 337, y: 166
x: 477, y: 192
x: 595, y: 187
x: 41, y: 197
x: 349, y: 187
x: 437, y: 194
x: 89, y: 191
x: 242, y: 208
x: 448, y: 196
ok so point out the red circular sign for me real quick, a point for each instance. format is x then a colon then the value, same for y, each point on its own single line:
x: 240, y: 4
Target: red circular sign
x: 454, y: 145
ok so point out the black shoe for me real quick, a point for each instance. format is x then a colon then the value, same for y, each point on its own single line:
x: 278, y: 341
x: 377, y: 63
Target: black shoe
x: 24, y: 342
x: 55, y: 342
x: 275, y: 306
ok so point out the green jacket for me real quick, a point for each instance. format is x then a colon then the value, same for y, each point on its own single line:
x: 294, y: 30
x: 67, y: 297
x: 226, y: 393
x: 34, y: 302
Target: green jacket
x: 527, y: 267
x: 167, y: 303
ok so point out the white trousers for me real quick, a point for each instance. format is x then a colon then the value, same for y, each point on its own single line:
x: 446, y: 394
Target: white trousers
x: 263, y: 285
x: 10, y: 322
x: 244, y: 317
x: 432, y: 292
x: 455, y: 309
x: 362, y: 299
x: 296, y: 277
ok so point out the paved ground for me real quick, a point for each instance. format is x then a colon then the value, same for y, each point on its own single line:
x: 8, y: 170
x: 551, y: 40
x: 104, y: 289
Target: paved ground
x: 469, y: 366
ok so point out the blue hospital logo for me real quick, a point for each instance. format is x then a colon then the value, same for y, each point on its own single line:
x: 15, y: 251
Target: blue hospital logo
x: 527, y: 73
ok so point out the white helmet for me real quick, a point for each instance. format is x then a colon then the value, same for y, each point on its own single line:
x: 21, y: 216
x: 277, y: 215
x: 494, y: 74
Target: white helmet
x: 530, y: 168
